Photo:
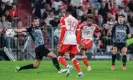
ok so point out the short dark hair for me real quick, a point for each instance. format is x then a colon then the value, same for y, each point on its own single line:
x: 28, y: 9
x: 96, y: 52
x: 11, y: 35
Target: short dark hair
x: 70, y: 9
x: 83, y: 18
x: 121, y: 15
x: 90, y: 17
x: 34, y: 18
x: 13, y: 4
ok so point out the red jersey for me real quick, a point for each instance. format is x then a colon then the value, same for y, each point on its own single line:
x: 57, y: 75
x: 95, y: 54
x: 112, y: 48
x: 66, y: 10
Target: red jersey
x: 70, y: 31
x: 13, y: 13
x: 114, y: 11
x: 87, y: 32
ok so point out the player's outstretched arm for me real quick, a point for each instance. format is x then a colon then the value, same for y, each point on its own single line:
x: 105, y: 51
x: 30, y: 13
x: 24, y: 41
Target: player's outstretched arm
x: 20, y: 30
x: 3, y: 30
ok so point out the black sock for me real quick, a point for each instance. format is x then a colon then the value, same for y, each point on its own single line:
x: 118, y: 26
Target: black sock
x: 113, y: 59
x: 124, y: 60
x: 26, y: 67
x: 56, y: 63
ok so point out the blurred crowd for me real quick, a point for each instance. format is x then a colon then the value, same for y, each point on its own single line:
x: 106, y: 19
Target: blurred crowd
x: 104, y: 13
x: 8, y: 13
x: 8, y: 20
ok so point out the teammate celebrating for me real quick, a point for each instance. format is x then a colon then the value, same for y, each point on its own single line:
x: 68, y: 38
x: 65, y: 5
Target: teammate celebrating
x: 36, y: 34
x: 88, y: 30
x: 120, y: 33
x: 69, y: 39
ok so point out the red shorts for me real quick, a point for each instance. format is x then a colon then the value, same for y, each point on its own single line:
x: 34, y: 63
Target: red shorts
x: 72, y: 49
x: 87, y: 42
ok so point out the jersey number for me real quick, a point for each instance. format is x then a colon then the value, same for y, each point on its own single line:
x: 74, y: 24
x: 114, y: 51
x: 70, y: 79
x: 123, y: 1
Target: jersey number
x: 72, y: 25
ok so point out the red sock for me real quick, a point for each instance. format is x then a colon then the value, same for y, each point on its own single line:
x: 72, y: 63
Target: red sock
x: 84, y: 59
x: 76, y: 64
x: 62, y: 61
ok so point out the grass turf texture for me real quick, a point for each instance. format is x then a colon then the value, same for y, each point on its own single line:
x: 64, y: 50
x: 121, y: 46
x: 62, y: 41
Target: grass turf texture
x: 46, y: 71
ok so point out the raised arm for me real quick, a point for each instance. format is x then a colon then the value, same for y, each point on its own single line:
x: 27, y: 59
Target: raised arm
x: 20, y: 30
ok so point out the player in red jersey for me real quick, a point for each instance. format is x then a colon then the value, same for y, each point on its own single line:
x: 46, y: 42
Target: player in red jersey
x: 88, y: 31
x: 69, y: 41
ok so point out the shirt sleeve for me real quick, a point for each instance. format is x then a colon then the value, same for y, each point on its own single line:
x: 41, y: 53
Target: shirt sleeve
x: 78, y: 34
x: 113, y: 31
x: 29, y: 29
x: 128, y: 31
x: 97, y: 30
x: 63, y: 30
x: 62, y: 22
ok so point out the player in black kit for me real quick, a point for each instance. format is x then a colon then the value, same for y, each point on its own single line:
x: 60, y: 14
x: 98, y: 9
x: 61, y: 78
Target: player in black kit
x: 120, y: 33
x: 40, y: 50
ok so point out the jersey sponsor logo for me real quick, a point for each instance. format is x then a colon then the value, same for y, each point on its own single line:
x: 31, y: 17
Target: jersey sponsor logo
x: 88, y: 31
x: 120, y: 34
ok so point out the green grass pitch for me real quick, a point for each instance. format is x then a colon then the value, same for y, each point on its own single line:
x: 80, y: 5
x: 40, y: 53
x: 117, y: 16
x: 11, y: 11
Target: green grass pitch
x: 46, y: 71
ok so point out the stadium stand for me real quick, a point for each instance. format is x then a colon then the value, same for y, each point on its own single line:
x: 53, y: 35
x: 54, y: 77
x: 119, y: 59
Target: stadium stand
x: 50, y: 11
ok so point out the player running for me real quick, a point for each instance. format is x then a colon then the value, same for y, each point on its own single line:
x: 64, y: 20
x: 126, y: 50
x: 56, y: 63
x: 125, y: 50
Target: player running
x: 88, y: 30
x: 120, y: 33
x: 68, y: 41
x: 40, y: 50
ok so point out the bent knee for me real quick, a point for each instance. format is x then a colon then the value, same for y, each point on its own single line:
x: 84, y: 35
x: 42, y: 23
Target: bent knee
x: 51, y: 55
x: 35, y: 65
x: 114, y: 50
x: 124, y: 51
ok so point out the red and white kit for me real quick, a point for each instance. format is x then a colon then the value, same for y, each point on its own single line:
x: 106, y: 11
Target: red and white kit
x: 87, y: 34
x: 70, y: 35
